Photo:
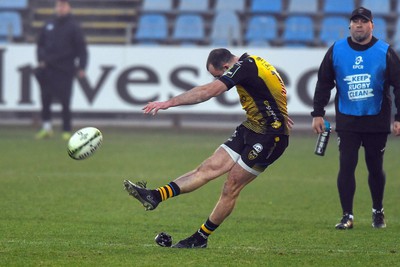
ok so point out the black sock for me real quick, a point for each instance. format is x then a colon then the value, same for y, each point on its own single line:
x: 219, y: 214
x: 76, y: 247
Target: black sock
x: 164, y: 192
x: 205, y: 230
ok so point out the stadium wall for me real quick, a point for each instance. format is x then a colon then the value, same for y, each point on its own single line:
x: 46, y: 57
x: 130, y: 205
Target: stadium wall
x: 121, y: 79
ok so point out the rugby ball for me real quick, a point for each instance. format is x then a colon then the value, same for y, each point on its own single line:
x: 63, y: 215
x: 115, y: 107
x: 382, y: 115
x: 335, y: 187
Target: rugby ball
x: 84, y: 142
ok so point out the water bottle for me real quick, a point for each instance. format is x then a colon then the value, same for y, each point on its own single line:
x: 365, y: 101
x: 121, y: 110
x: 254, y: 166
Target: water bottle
x: 323, y: 139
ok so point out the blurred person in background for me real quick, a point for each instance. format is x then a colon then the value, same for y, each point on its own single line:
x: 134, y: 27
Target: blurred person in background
x: 257, y: 143
x: 363, y: 69
x: 62, y: 54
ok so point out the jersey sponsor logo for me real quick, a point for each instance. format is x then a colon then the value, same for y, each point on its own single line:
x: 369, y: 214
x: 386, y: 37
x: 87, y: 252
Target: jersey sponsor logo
x: 276, y: 124
x: 357, y: 63
x: 252, y: 155
x: 359, y: 86
x: 258, y: 147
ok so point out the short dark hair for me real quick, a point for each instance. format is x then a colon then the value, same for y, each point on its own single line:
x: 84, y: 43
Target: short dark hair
x: 218, y: 57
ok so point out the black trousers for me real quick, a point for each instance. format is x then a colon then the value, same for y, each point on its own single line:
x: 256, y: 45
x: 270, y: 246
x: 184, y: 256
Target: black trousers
x: 374, y: 148
x: 56, y: 86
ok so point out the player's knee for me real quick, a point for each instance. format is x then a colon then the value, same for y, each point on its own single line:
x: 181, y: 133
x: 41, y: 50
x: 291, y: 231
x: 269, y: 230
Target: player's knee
x: 231, y: 188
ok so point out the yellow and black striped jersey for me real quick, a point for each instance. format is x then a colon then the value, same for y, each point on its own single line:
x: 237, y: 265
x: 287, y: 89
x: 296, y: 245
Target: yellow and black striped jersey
x: 262, y: 94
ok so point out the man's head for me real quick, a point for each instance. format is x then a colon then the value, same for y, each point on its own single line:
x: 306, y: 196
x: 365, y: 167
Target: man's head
x: 361, y: 12
x: 218, y: 61
x: 361, y: 25
x: 62, y: 8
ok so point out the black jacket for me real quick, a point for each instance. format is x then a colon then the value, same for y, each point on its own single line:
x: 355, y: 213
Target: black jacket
x: 376, y: 123
x: 61, y: 45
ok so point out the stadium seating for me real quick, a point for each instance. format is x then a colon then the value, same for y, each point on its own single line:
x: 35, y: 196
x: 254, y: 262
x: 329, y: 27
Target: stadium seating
x: 13, y: 4
x: 152, y: 28
x: 193, y: 5
x: 344, y: 7
x: 381, y: 7
x: 189, y: 29
x: 261, y: 29
x: 396, y: 36
x: 236, y: 5
x: 380, y: 28
x: 303, y: 6
x: 266, y: 6
x: 225, y: 28
x: 11, y: 25
x: 157, y: 5
x: 299, y: 30
x: 333, y: 28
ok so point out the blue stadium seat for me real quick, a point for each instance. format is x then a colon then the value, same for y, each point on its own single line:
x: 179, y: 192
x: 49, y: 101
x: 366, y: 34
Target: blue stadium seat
x: 10, y: 25
x: 237, y: 5
x: 298, y: 30
x: 396, y: 36
x: 258, y: 43
x: 157, y: 5
x: 13, y: 4
x: 333, y: 28
x: 381, y: 7
x: 336, y: 7
x: 152, y: 27
x: 261, y: 29
x: 193, y: 5
x: 189, y: 28
x: 226, y: 28
x: 266, y: 6
x: 380, y: 28
x: 303, y: 6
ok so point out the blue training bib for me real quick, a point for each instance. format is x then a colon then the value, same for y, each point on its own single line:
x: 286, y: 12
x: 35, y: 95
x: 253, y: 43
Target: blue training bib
x: 359, y: 77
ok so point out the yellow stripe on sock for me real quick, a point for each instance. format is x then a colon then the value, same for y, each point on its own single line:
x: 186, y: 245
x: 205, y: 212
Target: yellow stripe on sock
x: 170, y: 191
x: 163, y: 194
x: 204, y: 228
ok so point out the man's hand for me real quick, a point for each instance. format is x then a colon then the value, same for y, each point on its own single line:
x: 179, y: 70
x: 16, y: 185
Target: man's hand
x: 318, y: 125
x: 396, y: 128
x: 154, y: 107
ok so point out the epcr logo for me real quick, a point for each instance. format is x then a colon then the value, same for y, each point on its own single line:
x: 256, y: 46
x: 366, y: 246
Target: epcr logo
x: 258, y: 147
x: 358, y: 60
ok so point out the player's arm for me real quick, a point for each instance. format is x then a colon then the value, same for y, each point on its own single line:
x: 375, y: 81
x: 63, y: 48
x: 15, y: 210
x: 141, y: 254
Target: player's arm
x: 393, y: 63
x: 196, y: 95
x: 325, y: 83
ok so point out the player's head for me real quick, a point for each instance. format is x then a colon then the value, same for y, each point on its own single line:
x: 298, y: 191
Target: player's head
x: 361, y: 25
x: 218, y: 61
x: 62, y: 8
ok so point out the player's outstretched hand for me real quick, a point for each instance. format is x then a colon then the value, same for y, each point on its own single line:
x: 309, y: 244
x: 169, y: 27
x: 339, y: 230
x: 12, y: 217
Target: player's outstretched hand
x: 154, y: 107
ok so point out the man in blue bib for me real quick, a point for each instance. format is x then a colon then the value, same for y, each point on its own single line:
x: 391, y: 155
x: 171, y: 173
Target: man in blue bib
x: 362, y: 68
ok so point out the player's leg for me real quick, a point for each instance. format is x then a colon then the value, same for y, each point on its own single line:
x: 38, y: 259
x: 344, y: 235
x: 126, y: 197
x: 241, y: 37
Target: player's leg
x: 374, y: 145
x: 349, y: 144
x: 219, y: 163
x: 216, y: 165
x: 46, y: 95
x: 65, y: 94
x: 237, y: 179
x: 260, y: 152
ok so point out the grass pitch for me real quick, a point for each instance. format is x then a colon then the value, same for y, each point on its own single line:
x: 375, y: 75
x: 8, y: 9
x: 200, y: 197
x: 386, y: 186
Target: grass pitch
x: 56, y: 211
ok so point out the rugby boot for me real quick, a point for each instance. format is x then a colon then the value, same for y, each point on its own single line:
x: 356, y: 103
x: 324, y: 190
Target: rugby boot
x: 141, y: 193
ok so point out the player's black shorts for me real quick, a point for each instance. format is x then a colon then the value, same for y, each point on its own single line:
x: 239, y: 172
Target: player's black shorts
x: 254, y: 151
